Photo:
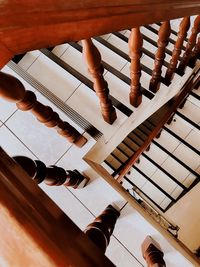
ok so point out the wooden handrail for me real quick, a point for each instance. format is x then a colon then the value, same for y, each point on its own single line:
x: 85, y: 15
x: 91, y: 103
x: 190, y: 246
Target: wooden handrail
x: 37, y: 24
x: 176, y: 102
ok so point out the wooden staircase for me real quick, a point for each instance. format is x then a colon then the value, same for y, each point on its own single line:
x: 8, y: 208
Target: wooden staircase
x: 125, y: 122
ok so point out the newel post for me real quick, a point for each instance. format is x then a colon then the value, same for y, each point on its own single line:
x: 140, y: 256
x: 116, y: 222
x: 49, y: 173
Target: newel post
x: 11, y: 89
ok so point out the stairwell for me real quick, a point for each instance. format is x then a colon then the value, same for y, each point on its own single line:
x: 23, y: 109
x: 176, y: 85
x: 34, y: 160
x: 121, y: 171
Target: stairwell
x: 171, y: 167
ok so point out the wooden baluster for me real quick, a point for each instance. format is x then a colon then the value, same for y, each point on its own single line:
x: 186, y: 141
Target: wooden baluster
x: 95, y: 67
x: 135, y: 52
x: 12, y: 89
x: 152, y: 253
x: 101, y: 229
x: 183, y: 29
x: 163, y: 38
x: 195, y: 54
x: 190, y: 45
x: 52, y: 175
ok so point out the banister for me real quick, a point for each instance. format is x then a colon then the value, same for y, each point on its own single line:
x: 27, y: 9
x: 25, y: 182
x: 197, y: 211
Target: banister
x: 36, y: 24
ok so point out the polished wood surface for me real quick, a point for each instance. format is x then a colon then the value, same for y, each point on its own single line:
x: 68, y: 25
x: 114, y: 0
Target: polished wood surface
x: 52, y: 175
x: 152, y: 253
x: 93, y: 60
x: 163, y: 38
x: 34, y: 231
x: 183, y: 28
x: 12, y: 89
x: 35, y: 24
x: 190, y: 45
x: 135, y: 43
x: 101, y: 229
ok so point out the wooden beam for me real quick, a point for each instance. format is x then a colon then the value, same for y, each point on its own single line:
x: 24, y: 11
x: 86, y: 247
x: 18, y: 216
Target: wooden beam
x: 33, y: 230
x: 33, y: 24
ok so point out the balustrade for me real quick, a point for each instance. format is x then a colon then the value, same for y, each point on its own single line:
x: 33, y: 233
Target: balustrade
x: 163, y: 38
x: 93, y: 60
x: 12, y: 89
x: 102, y: 228
x: 183, y: 29
x: 135, y: 52
x: 52, y: 175
x: 190, y: 45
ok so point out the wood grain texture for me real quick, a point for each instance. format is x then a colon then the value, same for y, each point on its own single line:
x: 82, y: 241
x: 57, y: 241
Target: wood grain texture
x: 135, y: 43
x: 195, y: 54
x: 163, y: 38
x: 34, y: 25
x: 183, y: 28
x: 34, y: 231
x: 12, y: 89
x: 92, y: 58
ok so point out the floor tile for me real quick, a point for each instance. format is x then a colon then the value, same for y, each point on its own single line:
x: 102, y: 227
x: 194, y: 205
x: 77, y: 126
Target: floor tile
x: 44, y: 142
x: 193, y: 139
x: 131, y: 229
x: 168, y: 141
x: 92, y: 111
x: 153, y: 192
x: 146, y: 166
x: 120, y: 256
x: 28, y: 59
x: 156, y: 154
x: 175, y: 169
x: 189, y: 157
x: 59, y: 50
x: 179, y: 126
x: 12, y: 145
x: 137, y: 178
x: 56, y: 79
x: 161, y: 179
x: 191, y: 111
x: 110, y: 57
x: 73, y: 208
x: 75, y: 59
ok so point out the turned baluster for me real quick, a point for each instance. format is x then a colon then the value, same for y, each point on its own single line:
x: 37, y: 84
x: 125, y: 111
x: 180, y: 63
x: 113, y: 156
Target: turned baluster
x: 183, y: 29
x: 163, y: 38
x: 100, y: 230
x: 52, y: 175
x: 190, y: 45
x: 135, y: 43
x: 195, y: 54
x: 95, y: 68
x: 152, y: 253
x: 12, y: 89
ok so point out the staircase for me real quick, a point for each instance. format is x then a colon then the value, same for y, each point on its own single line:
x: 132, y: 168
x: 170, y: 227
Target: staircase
x: 170, y: 166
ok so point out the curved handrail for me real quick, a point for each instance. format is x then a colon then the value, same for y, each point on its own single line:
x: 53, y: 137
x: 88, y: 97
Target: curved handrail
x: 37, y: 24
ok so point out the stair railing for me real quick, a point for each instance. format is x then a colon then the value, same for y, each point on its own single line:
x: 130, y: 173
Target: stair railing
x: 35, y: 25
